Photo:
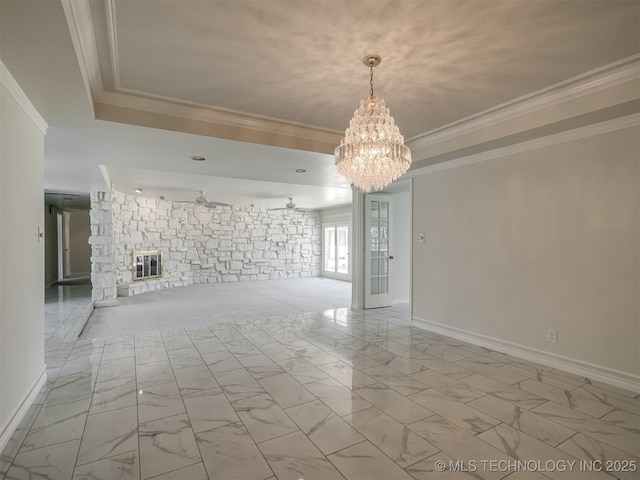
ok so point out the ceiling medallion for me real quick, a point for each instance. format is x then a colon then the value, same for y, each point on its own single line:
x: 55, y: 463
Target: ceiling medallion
x: 372, y: 153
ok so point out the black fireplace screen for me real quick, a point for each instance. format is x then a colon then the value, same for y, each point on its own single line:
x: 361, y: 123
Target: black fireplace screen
x: 147, y: 264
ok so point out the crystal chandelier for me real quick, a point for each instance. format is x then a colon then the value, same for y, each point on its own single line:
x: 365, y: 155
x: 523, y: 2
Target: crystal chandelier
x: 372, y: 153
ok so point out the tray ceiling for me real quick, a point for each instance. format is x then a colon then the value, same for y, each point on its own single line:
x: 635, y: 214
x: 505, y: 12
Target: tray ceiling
x: 300, y: 61
x: 262, y: 88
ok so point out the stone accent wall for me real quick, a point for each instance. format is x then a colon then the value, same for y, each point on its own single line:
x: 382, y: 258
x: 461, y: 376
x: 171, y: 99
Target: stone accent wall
x: 103, y: 260
x: 202, y: 245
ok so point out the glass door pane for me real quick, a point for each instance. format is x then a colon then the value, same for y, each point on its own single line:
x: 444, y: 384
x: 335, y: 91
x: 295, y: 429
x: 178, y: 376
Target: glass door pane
x: 336, y: 250
x: 342, y: 247
x: 379, y: 245
x: 330, y: 249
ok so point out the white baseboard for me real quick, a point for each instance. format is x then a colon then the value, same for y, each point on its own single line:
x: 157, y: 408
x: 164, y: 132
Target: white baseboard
x: 18, y: 413
x: 610, y: 376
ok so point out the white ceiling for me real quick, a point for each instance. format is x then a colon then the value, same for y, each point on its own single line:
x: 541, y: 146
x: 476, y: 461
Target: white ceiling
x: 263, y: 88
x: 159, y: 162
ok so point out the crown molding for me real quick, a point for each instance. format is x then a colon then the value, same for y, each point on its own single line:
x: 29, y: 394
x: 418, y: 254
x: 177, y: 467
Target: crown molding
x: 567, y: 136
x: 80, y: 24
x: 595, y: 80
x: 217, y: 115
x: 83, y: 36
x: 21, y: 98
x: 112, y: 29
x: 78, y: 15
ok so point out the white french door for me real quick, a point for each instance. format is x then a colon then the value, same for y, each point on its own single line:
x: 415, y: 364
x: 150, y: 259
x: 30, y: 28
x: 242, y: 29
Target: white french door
x: 60, y: 245
x: 336, y: 242
x: 378, y: 244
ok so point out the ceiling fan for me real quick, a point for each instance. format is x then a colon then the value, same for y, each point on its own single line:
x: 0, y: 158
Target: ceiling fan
x: 202, y: 200
x: 292, y: 206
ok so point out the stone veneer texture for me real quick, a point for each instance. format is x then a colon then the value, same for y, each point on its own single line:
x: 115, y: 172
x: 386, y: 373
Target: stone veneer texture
x: 202, y: 245
x: 103, y: 263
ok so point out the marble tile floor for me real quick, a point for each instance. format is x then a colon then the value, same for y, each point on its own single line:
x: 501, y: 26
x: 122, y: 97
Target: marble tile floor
x: 335, y: 394
x: 204, y: 304
x: 66, y: 310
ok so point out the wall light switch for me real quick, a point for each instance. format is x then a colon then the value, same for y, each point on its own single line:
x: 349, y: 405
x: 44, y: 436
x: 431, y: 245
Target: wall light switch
x: 420, y: 238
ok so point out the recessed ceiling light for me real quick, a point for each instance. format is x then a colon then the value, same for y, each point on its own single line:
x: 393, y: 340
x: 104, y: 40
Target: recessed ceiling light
x: 198, y: 158
x: 138, y: 190
x: 300, y: 170
x: 67, y: 199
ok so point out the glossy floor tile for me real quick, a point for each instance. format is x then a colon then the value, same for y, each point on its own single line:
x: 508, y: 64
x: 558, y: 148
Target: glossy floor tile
x: 332, y: 394
x: 67, y: 309
x: 217, y: 303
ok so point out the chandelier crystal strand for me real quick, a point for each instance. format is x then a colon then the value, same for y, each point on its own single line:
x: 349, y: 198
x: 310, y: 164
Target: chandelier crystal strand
x: 372, y: 153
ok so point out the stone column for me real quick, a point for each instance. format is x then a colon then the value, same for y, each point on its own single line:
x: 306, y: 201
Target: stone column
x: 103, y: 260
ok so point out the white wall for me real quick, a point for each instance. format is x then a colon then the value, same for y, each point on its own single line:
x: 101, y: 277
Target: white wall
x: 401, y: 263
x: 337, y: 214
x: 21, y: 254
x: 543, y: 239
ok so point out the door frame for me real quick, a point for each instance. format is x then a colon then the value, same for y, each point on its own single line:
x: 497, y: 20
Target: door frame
x: 60, y: 245
x: 66, y: 247
x: 378, y: 299
x: 358, y: 252
x: 335, y: 274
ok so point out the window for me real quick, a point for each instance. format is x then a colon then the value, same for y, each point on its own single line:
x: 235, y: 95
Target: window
x: 336, y: 251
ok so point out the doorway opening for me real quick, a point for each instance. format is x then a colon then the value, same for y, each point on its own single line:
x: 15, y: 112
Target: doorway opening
x: 382, y: 247
x: 336, y: 241
x: 60, y: 245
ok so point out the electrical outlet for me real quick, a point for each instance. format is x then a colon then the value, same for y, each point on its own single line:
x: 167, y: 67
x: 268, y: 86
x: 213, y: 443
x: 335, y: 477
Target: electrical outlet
x: 552, y: 335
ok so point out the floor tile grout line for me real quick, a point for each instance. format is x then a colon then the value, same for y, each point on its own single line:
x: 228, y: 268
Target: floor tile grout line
x: 86, y: 420
x: 37, y: 413
x: 274, y: 401
x: 135, y: 365
x: 583, y: 433
x: 177, y: 469
x: 244, y: 426
x: 404, y: 426
x: 186, y: 412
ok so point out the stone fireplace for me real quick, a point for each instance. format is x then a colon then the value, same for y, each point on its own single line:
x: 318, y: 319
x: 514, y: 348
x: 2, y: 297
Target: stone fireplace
x: 158, y: 244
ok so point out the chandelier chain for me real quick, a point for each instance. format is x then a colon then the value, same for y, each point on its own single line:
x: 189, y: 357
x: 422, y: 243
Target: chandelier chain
x: 371, y: 79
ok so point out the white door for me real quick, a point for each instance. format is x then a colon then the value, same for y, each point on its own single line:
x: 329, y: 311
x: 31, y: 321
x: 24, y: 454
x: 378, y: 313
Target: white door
x: 66, y: 255
x: 336, y: 242
x: 59, y: 226
x: 378, y: 245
